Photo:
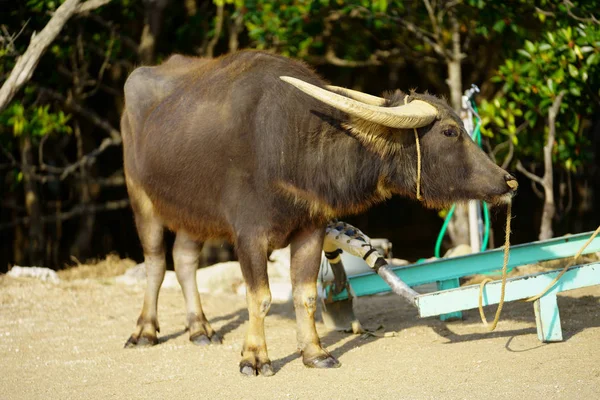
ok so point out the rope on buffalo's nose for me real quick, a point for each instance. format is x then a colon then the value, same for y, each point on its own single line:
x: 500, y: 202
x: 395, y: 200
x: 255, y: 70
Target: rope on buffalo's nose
x: 504, y: 273
x: 418, y: 158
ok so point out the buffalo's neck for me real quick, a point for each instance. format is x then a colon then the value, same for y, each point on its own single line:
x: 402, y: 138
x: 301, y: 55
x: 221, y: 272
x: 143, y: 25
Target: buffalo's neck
x: 334, y: 174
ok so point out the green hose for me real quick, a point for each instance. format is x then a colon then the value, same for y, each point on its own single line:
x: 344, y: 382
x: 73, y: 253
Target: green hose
x: 438, y: 243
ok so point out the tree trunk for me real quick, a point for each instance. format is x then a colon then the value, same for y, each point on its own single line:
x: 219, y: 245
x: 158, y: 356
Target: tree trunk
x: 210, y: 48
x: 548, y: 179
x: 454, y: 66
x: 32, y: 204
x: 82, y: 245
x: 190, y: 7
x: 151, y: 30
x: 458, y: 229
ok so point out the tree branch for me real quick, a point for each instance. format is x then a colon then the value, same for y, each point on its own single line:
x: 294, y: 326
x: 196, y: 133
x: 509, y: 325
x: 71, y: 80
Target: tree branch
x: 218, y: 28
x: 434, y: 22
x: 90, y: 157
x: 538, y: 192
x: 74, y: 212
x: 91, y: 5
x: 110, y: 25
x: 423, y: 35
x: 331, y: 58
x: 8, y: 41
x: 569, y: 6
x: 509, y: 156
x: 529, y: 174
x: 115, y: 180
x: 89, y: 114
x: 26, y: 64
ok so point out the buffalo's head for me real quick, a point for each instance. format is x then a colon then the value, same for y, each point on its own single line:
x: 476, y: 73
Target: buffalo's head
x: 453, y: 167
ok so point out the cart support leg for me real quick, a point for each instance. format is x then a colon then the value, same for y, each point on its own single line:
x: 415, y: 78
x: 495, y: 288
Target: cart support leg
x: 547, y: 319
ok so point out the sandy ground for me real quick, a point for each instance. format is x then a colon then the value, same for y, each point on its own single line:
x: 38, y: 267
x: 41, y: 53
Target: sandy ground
x: 65, y: 341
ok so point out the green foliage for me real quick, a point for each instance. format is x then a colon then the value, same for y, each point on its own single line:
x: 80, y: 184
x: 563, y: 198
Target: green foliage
x: 85, y: 68
x: 567, y: 59
x: 35, y: 121
x: 279, y: 22
x: 302, y: 28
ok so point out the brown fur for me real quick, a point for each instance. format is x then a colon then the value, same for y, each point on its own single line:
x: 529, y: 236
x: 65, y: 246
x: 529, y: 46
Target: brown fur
x: 224, y: 148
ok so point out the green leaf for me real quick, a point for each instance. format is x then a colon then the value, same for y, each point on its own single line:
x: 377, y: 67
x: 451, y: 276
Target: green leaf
x: 499, y: 121
x: 575, y: 91
x: 499, y: 26
x: 573, y: 71
x: 529, y: 46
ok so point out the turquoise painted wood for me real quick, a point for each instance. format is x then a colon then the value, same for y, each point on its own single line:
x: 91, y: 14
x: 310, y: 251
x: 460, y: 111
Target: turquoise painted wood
x: 449, y: 284
x: 547, y: 319
x: 484, y: 262
x: 518, y: 288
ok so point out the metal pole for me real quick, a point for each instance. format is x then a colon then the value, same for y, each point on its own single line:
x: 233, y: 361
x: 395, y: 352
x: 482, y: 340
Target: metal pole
x: 474, y: 205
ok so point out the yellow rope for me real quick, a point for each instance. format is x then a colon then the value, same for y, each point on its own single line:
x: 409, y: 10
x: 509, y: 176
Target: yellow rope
x: 569, y: 265
x: 418, y: 158
x: 418, y: 165
x: 506, y: 252
x: 504, y: 273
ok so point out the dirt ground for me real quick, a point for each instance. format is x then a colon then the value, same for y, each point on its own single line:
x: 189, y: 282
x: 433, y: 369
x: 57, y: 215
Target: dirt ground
x: 65, y: 341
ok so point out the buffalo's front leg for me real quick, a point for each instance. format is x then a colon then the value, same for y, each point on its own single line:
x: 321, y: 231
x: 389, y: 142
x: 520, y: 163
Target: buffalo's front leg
x: 252, y: 253
x: 186, y: 254
x: 306, y: 249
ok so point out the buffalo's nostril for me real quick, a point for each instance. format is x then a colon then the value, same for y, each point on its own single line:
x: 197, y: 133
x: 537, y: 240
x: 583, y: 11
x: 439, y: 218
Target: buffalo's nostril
x: 511, y: 181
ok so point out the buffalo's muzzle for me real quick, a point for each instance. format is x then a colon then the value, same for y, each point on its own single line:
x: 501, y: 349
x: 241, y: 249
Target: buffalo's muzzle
x: 511, y: 181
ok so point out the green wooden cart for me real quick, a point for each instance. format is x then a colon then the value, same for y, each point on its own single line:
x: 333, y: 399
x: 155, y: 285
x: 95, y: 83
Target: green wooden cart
x: 450, y: 298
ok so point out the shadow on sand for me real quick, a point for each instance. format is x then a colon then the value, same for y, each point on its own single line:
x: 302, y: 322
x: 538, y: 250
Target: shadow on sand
x: 396, y: 315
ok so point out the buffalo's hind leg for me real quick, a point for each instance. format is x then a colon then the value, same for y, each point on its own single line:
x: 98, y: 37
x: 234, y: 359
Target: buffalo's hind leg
x: 150, y: 230
x: 306, y: 247
x: 186, y: 253
x: 252, y: 253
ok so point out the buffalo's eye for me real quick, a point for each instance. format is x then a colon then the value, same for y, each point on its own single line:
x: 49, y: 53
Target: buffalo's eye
x: 450, y: 132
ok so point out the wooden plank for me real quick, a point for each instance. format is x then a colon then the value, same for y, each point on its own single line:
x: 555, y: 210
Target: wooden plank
x: 547, y: 319
x: 445, y: 285
x: 450, y: 268
x: 466, y: 298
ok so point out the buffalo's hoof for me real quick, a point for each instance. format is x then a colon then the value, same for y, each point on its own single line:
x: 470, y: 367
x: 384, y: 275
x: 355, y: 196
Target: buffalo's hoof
x: 143, y: 341
x: 247, y: 369
x: 204, y: 340
x: 200, y: 340
x: 266, y: 370
x: 325, y: 361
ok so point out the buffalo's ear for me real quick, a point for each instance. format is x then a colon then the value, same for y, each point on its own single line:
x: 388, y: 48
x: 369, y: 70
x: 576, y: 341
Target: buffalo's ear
x: 378, y: 138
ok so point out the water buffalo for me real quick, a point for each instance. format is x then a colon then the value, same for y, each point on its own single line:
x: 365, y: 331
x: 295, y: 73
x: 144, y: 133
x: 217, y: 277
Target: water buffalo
x: 256, y: 148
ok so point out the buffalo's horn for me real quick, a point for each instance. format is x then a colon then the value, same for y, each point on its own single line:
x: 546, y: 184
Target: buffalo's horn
x: 360, y: 96
x: 415, y: 114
